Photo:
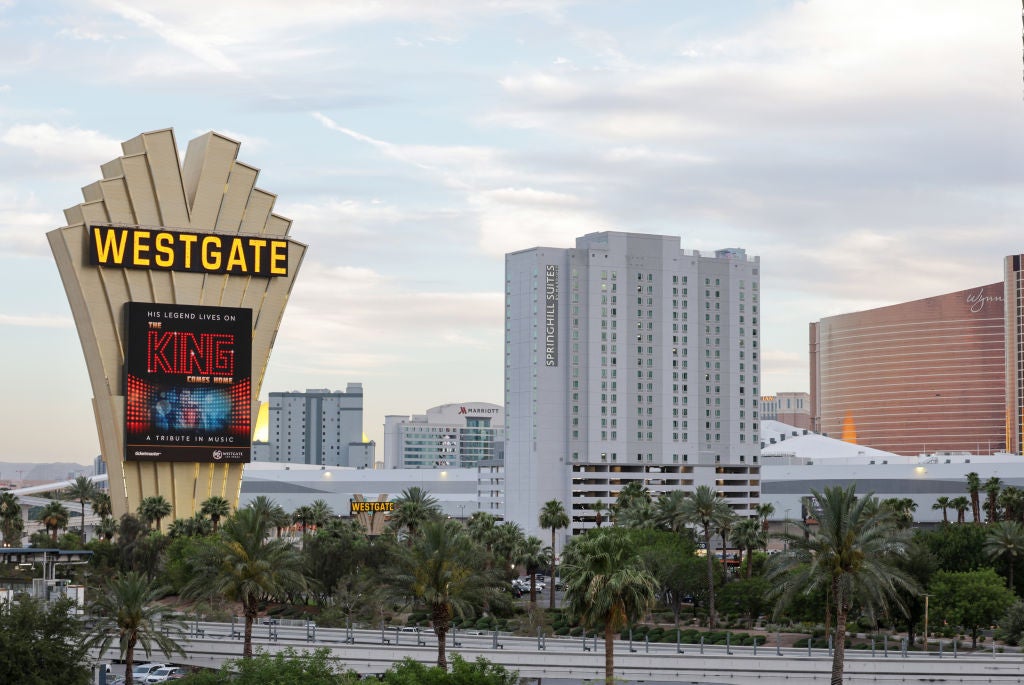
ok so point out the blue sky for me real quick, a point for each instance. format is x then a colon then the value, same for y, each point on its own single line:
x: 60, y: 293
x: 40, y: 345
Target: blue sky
x: 869, y: 153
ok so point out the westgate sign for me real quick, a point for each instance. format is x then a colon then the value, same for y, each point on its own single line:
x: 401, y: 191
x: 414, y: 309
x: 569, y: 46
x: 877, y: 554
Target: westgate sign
x: 134, y: 247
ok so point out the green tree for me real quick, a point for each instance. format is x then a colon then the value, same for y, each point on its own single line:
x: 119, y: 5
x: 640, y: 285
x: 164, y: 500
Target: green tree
x: 154, y: 509
x: 991, y: 488
x: 41, y: 643
x: 320, y: 513
x: 902, y: 509
x: 442, y: 569
x: 534, y: 556
x: 479, y: 672
x: 126, y: 610
x: 704, y: 508
x: 599, y: 508
x: 107, y: 528
x: 101, y: 505
x: 1005, y: 541
x: 1011, y: 501
x: 956, y: 548
x: 553, y: 517
x: 671, y: 560
x: 414, y: 507
x: 54, y: 517
x: 240, y: 564
x: 851, y: 552
x: 216, y: 508
x: 11, y: 524
x: 960, y: 504
x: 82, y: 490
x: 748, y: 535
x: 973, y: 488
x: 606, y: 585
x: 972, y: 599
x: 944, y: 504
x: 284, y: 667
x: 1011, y: 625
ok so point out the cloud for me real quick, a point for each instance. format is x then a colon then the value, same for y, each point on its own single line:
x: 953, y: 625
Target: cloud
x: 36, y: 321
x: 61, y: 150
x: 23, y: 225
x: 513, y: 219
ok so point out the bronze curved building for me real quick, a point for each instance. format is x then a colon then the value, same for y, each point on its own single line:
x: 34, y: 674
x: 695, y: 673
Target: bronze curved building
x: 922, y: 376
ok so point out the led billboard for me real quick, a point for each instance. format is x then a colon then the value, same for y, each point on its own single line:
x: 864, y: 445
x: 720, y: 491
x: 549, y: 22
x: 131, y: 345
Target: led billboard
x: 188, y: 383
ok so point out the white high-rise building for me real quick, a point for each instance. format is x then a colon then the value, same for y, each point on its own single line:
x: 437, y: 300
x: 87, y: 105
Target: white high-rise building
x: 457, y: 435
x: 628, y: 358
x: 318, y: 426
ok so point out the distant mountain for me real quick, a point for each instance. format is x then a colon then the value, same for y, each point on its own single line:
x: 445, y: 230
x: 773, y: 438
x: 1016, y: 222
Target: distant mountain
x: 16, y: 472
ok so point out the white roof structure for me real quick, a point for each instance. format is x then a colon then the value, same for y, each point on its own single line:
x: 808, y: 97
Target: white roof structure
x: 785, y: 444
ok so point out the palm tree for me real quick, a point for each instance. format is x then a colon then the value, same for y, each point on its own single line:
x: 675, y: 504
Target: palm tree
x: 216, y: 507
x: 506, y: 541
x: 153, y: 509
x: 944, y: 504
x: 668, y: 511
x: 412, y: 508
x: 54, y: 516
x: 126, y: 609
x: 107, y: 528
x: 304, y: 517
x: 599, y: 508
x: 960, y: 504
x: 747, y: 535
x: 11, y: 524
x: 632, y: 494
x: 82, y: 490
x: 852, y: 553
x: 242, y: 565
x: 272, y: 513
x: 441, y: 568
x: 902, y: 508
x: 724, y: 522
x: 991, y: 488
x: 534, y: 556
x: 973, y: 487
x: 1011, y: 500
x: 703, y: 509
x: 320, y: 513
x: 607, y: 585
x: 1005, y: 539
x: 553, y: 516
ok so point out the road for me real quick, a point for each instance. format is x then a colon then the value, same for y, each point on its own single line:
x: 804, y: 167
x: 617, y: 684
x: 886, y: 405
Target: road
x: 367, y: 651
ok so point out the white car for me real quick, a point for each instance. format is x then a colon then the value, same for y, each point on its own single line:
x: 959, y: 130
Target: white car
x: 141, y: 671
x: 162, y: 675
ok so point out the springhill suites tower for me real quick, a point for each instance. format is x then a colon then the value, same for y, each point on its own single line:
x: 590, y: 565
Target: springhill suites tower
x: 628, y: 358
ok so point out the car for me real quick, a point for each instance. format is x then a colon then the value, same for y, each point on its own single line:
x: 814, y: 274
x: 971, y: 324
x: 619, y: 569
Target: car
x: 164, y: 674
x: 141, y: 671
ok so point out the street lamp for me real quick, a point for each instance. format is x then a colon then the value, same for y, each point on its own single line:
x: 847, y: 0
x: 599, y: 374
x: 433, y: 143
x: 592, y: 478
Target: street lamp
x: 462, y: 512
x: 926, y: 622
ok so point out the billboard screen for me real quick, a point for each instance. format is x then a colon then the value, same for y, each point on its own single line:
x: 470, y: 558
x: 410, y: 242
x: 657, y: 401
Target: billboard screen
x: 188, y: 383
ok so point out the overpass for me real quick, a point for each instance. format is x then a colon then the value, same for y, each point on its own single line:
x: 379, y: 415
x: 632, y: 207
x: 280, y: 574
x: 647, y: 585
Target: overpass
x: 374, y: 651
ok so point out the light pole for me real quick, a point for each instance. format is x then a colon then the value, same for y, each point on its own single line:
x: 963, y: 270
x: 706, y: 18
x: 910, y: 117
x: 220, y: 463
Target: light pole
x: 787, y: 530
x: 926, y: 622
x: 462, y: 512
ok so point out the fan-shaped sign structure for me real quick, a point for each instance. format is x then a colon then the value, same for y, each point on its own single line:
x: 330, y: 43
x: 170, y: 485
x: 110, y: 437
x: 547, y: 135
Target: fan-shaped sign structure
x: 177, y: 276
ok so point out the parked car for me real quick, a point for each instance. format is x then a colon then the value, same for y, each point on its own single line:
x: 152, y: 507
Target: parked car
x: 141, y: 671
x: 162, y: 675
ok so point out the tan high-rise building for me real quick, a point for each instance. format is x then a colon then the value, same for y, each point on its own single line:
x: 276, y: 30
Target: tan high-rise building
x: 921, y: 376
x: 1013, y: 278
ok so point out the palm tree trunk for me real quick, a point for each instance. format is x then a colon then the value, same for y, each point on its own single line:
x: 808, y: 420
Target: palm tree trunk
x: 839, y: 642
x: 711, y: 578
x: 533, y: 590
x: 609, y: 654
x: 129, y: 662
x: 250, y: 617
x: 750, y: 562
x: 440, y: 619
x: 82, y: 502
x: 552, y: 578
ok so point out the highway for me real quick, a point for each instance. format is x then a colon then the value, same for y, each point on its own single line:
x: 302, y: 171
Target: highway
x: 367, y: 651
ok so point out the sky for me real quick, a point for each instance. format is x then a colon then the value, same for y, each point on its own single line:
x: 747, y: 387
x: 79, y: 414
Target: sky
x: 868, y: 152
